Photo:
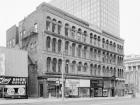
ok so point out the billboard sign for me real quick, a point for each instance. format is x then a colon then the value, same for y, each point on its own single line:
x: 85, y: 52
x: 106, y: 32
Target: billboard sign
x: 2, y: 64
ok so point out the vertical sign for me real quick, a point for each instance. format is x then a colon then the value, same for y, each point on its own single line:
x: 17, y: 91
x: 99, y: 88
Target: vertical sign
x: 2, y: 64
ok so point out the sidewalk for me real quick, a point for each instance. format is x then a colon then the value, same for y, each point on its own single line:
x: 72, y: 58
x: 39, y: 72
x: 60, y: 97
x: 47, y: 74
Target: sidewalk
x: 45, y: 100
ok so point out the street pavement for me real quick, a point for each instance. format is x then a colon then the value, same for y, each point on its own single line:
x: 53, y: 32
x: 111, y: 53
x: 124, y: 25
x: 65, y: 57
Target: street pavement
x: 76, y: 101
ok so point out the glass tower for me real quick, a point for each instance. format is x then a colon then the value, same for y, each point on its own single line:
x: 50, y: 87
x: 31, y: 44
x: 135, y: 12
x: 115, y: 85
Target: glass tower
x: 102, y: 13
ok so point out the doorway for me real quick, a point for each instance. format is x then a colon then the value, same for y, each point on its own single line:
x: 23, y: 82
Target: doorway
x: 41, y: 90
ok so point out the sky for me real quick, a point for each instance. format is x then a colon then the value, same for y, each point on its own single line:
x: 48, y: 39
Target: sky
x: 12, y: 11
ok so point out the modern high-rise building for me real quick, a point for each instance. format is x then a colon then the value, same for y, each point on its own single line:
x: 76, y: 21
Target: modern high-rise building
x: 102, y: 13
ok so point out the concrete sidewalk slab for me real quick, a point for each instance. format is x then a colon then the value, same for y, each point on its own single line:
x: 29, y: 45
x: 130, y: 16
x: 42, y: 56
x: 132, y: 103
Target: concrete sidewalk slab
x: 45, y: 100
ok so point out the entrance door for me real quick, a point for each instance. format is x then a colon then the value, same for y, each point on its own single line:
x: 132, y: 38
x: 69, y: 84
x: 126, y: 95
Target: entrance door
x: 113, y: 92
x: 92, y: 92
x: 41, y: 90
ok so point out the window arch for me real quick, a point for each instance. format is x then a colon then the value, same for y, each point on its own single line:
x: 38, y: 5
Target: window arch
x: 54, y: 25
x: 67, y: 66
x: 48, y: 23
x: 66, y: 47
x: 85, y: 51
x: 103, y: 42
x: 79, y: 67
x: 95, y: 39
x: 60, y: 65
x: 73, y: 49
x: 59, y: 27
x: 73, y: 66
x: 67, y: 29
x: 73, y: 31
x: 95, y: 69
x: 54, y: 62
x: 79, y: 34
x: 91, y: 38
x: 79, y: 50
x: 85, y: 67
x: 54, y: 44
x: 91, y: 69
x: 48, y: 42
x: 84, y: 36
x: 48, y: 64
x: 59, y: 45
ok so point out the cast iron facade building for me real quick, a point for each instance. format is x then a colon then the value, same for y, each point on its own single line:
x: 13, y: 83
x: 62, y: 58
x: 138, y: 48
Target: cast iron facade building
x: 92, y: 60
x: 132, y: 72
x: 102, y: 13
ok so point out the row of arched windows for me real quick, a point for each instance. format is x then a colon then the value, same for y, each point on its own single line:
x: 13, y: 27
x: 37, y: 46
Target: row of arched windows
x: 55, y: 65
x: 82, y: 51
x: 77, y: 33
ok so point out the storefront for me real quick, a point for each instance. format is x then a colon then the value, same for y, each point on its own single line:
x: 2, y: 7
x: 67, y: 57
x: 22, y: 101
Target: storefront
x: 96, y: 88
x: 77, y: 88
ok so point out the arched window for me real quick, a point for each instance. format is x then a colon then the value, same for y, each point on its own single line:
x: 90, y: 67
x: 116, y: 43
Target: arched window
x: 99, y: 55
x: 114, y: 46
x: 73, y: 66
x: 95, y: 54
x: 54, y: 25
x: 107, y: 42
x: 85, y: 67
x: 79, y: 33
x: 103, y: 57
x: 95, y: 69
x: 84, y: 51
x: 54, y: 45
x: 111, y: 45
x: 95, y: 39
x: 67, y: 29
x: 91, y: 69
x: 99, y: 70
x: 79, y: 67
x: 67, y: 66
x: 66, y: 47
x: 104, y: 70
x: 54, y: 62
x: 73, y: 32
x: 59, y: 45
x: 103, y: 43
x: 48, y: 23
x: 48, y: 64
x: 79, y: 50
x: 99, y: 39
x: 59, y: 27
x: 107, y: 71
x: 84, y: 36
x: 91, y: 53
x: 59, y: 65
x: 73, y: 49
x: 91, y: 38
x: 48, y: 42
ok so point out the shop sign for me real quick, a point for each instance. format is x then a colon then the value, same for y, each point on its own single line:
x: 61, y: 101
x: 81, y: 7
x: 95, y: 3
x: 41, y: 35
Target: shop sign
x: 96, y: 83
x: 53, y: 79
x: 84, y: 83
x: 12, y: 80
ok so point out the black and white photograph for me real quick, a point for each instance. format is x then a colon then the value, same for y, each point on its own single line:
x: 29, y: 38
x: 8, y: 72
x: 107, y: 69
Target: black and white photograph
x: 69, y: 52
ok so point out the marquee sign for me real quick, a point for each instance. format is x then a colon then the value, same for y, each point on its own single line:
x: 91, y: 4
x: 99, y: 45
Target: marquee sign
x: 13, y: 80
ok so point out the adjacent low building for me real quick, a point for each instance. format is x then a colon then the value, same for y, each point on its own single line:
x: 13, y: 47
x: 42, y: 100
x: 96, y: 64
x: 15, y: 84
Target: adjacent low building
x: 13, y: 73
x: 91, y: 59
x: 132, y: 73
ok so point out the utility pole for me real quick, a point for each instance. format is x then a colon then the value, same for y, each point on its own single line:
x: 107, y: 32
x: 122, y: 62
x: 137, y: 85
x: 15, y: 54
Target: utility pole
x: 63, y: 68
